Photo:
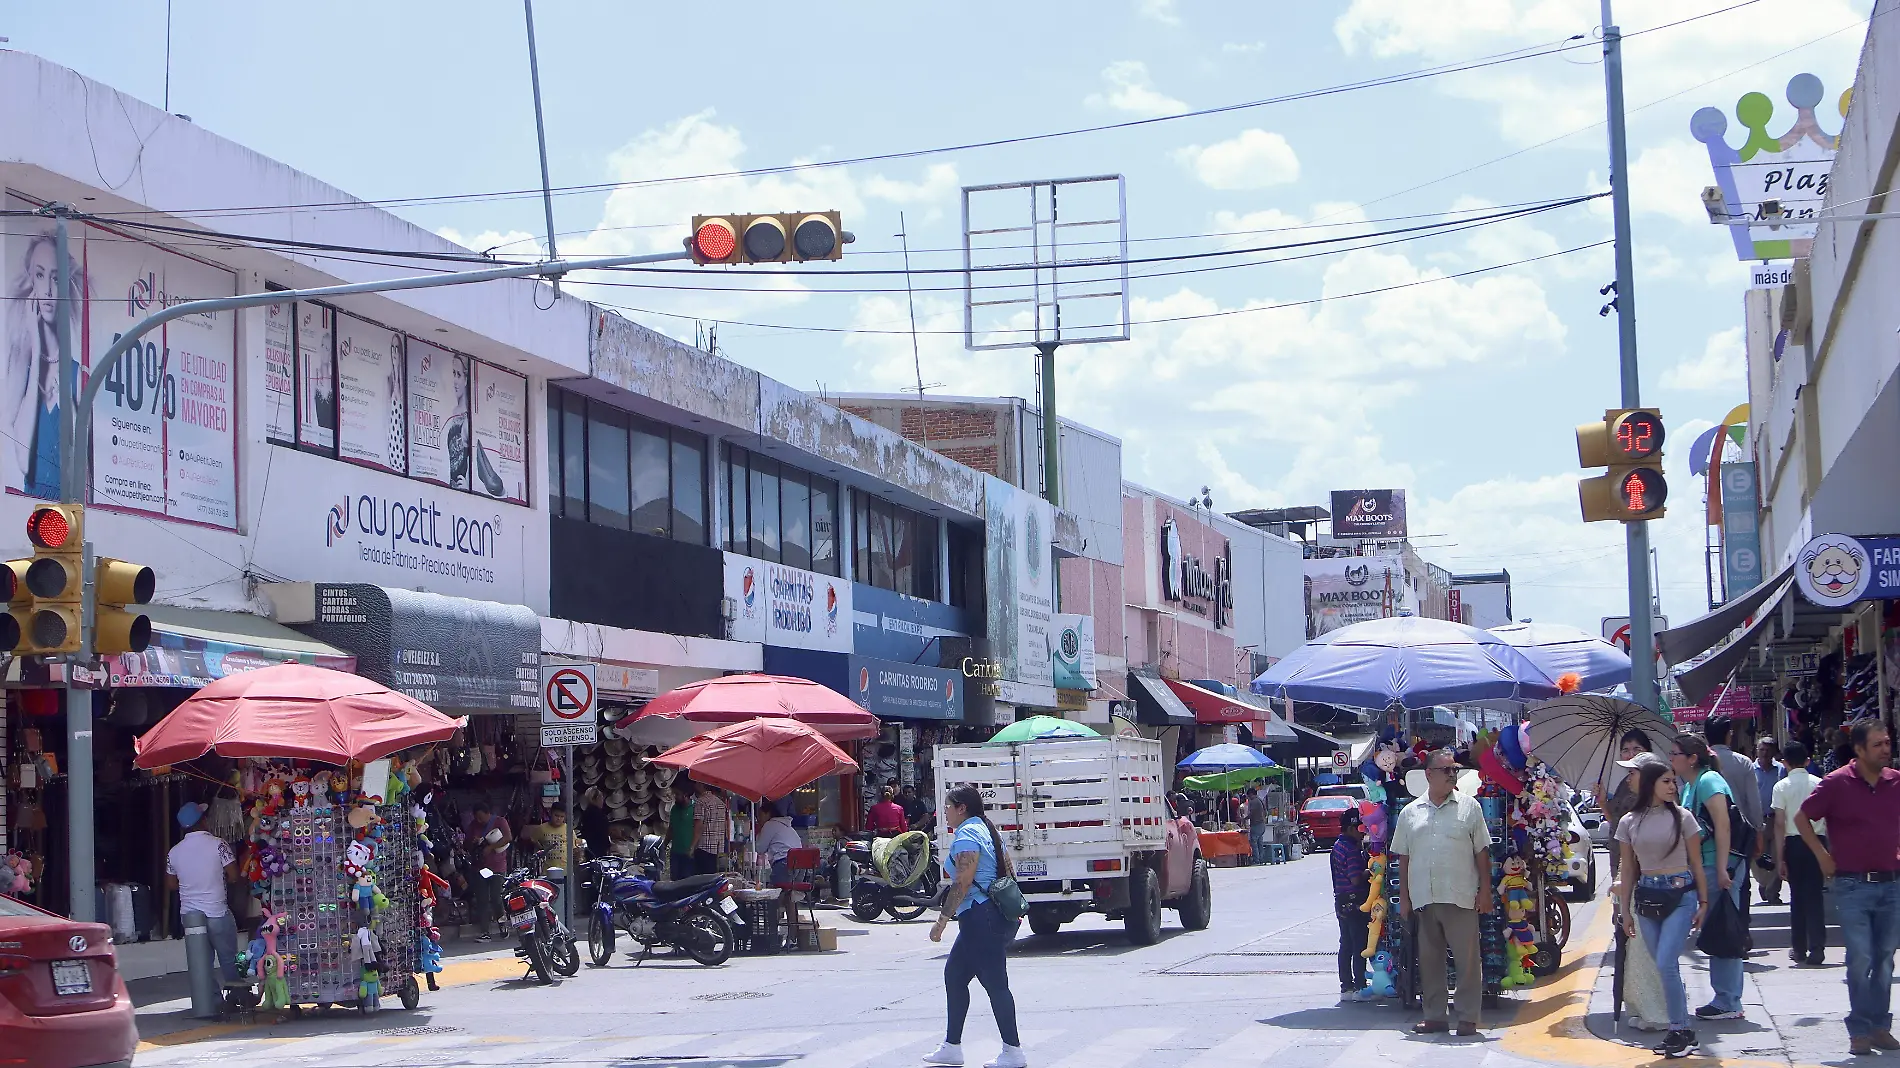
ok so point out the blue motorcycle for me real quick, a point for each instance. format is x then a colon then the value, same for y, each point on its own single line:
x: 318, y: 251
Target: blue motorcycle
x: 694, y: 915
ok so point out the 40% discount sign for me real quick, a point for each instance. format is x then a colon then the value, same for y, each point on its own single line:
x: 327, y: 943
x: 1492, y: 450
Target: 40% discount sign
x: 567, y: 705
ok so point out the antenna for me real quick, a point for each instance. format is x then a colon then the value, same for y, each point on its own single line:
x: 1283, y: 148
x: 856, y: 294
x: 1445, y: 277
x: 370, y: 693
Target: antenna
x: 910, y: 297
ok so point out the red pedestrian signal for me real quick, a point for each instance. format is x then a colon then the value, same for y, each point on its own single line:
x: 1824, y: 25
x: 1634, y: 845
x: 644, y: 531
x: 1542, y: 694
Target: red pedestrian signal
x: 1628, y: 441
x: 1643, y: 491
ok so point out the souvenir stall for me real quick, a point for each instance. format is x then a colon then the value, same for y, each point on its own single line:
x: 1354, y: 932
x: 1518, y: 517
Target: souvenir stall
x: 335, y: 831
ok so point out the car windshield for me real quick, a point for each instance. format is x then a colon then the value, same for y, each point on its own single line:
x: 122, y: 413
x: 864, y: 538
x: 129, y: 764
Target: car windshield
x: 1329, y: 804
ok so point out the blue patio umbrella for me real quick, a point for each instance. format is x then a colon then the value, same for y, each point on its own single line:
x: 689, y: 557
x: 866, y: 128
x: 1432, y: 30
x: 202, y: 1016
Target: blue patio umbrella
x: 1228, y: 756
x: 1408, y: 661
x: 1559, y: 650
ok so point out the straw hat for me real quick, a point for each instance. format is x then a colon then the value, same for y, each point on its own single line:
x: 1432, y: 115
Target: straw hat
x: 645, y: 810
x: 640, y: 790
x: 650, y: 752
x: 615, y: 746
x: 663, y: 775
x: 615, y: 778
x: 617, y: 797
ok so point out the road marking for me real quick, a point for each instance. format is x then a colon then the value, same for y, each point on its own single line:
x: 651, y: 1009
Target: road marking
x: 645, y: 1046
x: 758, y: 1043
x: 852, y: 1054
x: 1252, y: 1044
x: 1118, y: 1049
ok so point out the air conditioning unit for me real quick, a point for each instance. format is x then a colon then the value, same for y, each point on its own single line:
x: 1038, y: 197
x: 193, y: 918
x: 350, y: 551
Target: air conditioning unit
x: 728, y: 608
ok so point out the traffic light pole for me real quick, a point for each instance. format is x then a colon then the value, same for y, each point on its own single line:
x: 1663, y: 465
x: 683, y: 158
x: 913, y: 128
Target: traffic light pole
x: 1051, y: 430
x: 76, y: 460
x: 1642, y: 641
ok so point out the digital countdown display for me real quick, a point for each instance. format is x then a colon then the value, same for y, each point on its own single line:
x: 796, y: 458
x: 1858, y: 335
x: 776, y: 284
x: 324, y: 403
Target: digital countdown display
x: 1637, y: 436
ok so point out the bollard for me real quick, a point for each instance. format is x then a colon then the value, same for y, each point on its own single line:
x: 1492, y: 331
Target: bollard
x: 207, y: 992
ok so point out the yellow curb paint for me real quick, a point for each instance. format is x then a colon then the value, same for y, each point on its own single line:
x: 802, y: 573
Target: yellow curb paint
x: 453, y: 973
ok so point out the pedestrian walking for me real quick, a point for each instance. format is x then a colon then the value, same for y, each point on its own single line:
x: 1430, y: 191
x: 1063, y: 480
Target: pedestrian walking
x: 981, y: 951
x: 1706, y: 795
x: 1352, y: 877
x: 1622, y: 798
x: 1795, y: 863
x: 711, y: 827
x: 198, y: 868
x: 1444, y: 853
x: 1257, y: 822
x: 1768, y: 775
x: 680, y: 830
x: 489, y: 833
x: 1861, y: 860
x: 1663, y: 889
x: 1739, y: 773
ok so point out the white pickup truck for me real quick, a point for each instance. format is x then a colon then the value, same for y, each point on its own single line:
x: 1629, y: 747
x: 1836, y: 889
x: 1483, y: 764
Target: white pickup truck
x: 1088, y: 827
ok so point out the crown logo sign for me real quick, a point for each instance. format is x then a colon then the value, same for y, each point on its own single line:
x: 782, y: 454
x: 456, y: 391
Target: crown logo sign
x: 1791, y: 168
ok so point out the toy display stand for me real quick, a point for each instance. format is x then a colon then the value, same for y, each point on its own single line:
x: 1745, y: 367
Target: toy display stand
x: 337, y: 877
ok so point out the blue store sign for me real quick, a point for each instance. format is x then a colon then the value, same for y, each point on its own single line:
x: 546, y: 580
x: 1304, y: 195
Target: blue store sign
x: 895, y: 626
x: 893, y: 690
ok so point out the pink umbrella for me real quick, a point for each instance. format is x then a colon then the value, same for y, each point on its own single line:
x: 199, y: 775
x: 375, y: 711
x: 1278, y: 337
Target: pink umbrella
x: 295, y: 711
x: 759, y: 758
x: 738, y: 698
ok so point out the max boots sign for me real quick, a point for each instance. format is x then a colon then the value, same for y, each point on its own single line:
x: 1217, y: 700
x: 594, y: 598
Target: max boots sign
x: 1184, y: 578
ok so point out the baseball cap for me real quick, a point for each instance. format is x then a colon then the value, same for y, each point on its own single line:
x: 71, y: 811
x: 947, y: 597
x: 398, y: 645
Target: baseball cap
x: 1639, y: 760
x: 190, y: 813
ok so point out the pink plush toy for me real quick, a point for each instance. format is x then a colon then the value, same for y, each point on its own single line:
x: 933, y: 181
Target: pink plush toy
x: 16, y: 874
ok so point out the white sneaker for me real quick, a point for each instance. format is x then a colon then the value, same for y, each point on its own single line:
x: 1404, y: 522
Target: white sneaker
x: 1010, y: 1057
x: 946, y: 1054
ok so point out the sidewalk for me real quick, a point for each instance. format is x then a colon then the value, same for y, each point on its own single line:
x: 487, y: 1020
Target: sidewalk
x: 1794, y: 1013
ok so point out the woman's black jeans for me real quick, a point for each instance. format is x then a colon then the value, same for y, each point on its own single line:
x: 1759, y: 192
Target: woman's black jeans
x: 981, y: 952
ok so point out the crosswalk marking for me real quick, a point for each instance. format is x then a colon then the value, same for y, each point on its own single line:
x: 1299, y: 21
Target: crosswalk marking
x: 758, y: 1043
x: 644, y: 1046
x: 1253, y: 1044
x: 1118, y: 1048
x: 853, y: 1054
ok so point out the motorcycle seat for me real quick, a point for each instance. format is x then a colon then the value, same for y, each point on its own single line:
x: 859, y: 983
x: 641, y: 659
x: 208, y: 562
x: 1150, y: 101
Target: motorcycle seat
x: 684, y: 887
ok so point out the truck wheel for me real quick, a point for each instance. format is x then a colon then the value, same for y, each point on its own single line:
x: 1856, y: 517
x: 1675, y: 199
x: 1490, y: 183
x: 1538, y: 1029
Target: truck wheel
x: 1197, y: 908
x: 1044, y: 921
x: 1143, y: 918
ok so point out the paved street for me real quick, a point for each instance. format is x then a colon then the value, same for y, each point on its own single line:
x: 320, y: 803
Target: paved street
x: 1256, y: 986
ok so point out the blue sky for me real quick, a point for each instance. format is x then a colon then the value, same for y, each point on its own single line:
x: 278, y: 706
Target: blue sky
x: 1463, y: 391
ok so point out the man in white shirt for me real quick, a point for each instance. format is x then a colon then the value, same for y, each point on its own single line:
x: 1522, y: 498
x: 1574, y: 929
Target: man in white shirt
x: 198, y: 868
x: 1795, y: 862
x: 1444, y: 849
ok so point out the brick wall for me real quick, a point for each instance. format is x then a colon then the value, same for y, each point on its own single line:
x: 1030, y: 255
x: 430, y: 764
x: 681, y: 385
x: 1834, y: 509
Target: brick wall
x: 968, y: 436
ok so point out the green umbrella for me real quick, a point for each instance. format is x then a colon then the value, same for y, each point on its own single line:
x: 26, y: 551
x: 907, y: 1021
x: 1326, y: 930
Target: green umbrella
x: 1038, y: 728
x: 1232, y: 780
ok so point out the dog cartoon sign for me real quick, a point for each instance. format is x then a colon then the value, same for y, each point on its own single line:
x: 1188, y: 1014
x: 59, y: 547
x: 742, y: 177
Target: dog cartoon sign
x: 1835, y: 570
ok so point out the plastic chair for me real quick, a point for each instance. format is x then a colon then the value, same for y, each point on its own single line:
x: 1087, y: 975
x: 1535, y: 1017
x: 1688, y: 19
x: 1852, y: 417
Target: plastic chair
x: 796, y: 891
x: 1276, y: 853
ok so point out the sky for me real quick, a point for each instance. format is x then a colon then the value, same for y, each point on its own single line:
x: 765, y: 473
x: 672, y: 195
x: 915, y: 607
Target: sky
x: 1455, y: 366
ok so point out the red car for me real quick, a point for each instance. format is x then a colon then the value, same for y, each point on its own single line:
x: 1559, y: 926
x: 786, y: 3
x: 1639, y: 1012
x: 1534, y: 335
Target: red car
x: 62, y: 1003
x: 1321, y: 815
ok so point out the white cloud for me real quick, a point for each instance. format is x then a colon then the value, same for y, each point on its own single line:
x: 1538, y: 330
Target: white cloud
x: 1667, y: 180
x: 1130, y: 90
x: 1238, y: 48
x: 1251, y: 159
x: 1723, y: 365
x: 1161, y: 11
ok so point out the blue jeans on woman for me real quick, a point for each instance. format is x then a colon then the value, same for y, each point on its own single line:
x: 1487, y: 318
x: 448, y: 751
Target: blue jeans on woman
x: 1870, y: 927
x: 1667, y: 938
x: 1725, y: 973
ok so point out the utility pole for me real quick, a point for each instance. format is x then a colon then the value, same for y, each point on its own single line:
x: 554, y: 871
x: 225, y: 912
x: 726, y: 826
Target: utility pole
x: 1642, y: 641
x: 1051, y: 430
x: 541, y: 137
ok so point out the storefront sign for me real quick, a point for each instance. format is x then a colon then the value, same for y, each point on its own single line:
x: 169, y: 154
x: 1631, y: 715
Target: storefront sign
x: 1741, y: 532
x: 438, y: 415
x: 1019, y: 573
x: 1075, y: 652
x: 189, y: 661
x: 567, y: 705
x: 892, y: 690
x: 896, y: 626
x: 1455, y: 606
x: 1800, y: 664
x: 449, y: 652
x: 982, y: 675
x: 1789, y: 166
x: 1734, y: 702
x: 1186, y: 578
x: 498, y: 417
x: 1770, y: 275
x: 787, y: 606
x: 1378, y: 513
x: 1835, y: 570
x: 1348, y: 589
x: 633, y: 681
x: 1068, y: 700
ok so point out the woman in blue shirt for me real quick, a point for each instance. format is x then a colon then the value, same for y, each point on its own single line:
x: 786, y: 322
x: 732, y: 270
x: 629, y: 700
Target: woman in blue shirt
x: 981, y: 951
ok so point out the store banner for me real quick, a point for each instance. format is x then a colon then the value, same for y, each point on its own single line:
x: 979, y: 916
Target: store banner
x: 280, y: 374
x: 788, y: 607
x: 1373, y: 513
x: 1835, y: 570
x: 897, y: 626
x: 1741, y: 529
x: 189, y: 661
x: 1019, y: 573
x: 438, y: 415
x: 316, y: 375
x: 447, y: 652
x: 163, y: 434
x: 369, y: 391
x: 892, y: 690
x: 1350, y: 589
x: 1074, y: 664
x: 1735, y: 703
x: 499, y: 414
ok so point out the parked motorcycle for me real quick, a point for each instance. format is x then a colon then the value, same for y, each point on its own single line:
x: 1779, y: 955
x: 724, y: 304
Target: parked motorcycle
x: 899, y: 875
x: 694, y: 915
x: 545, y: 942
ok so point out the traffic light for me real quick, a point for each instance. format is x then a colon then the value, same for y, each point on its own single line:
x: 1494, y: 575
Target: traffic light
x: 18, y: 614
x: 116, y: 584
x: 55, y: 579
x: 1628, y: 441
x: 782, y: 238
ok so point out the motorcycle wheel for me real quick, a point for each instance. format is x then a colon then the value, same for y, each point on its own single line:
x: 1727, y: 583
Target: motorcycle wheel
x: 537, y: 953
x: 600, y: 941
x: 865, y: 907
x: 908, y: 913
x: 564, y: 954
x: 707, y: 937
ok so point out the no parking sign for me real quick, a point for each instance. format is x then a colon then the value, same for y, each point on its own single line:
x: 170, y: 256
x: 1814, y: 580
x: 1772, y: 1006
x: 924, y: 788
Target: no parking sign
x: 567, y: 705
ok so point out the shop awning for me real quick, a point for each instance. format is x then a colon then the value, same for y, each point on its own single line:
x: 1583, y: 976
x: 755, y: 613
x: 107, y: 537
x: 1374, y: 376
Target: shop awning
x: 1306, y: 742
x: 1699, y: 681
x: 193, y: 647
x: 1155, y: 704
x: 1216, y: 708
x: 1682, y: 644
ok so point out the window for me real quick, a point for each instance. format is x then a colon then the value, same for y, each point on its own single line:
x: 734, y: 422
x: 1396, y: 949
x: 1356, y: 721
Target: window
x: 573, y: 455
x: 881, y: 572
x: 689, y: 488
x: 619, y: 470
x: 652, y: 478
x: 795, y: 518
x: 824, y: 526
x: 607, y: 466
x: 896, y: 547
x: 738, y: 504
x: 966, y: 567
x: 777, y: 512
x: 765, y: 509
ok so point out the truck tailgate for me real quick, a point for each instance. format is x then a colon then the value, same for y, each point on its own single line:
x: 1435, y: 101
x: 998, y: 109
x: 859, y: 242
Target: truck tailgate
x: 1069, y: 800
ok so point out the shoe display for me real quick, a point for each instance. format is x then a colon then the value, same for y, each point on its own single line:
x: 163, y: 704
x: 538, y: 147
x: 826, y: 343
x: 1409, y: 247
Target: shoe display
x: 1710, y: 1012
x: 1010, y: 1057
x: 946, y: 1054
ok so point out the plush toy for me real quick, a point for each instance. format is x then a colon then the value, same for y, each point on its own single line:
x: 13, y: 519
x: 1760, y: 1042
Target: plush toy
x: 274, y: 991
x: 1382, y: 978
x: 369, y: 990
x: 429, y: 955
x: 1520, y: 938
x: 1516, y: 884
x: 1375, y: 905
x: 16, y: 874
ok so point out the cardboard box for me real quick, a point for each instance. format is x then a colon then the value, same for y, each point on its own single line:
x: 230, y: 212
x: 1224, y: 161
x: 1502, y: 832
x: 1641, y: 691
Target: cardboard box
x: 827, y: 939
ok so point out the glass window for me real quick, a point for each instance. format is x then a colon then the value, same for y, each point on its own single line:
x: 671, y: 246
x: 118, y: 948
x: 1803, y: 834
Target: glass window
x: 765, y: 508
x: 739, y: 530
x: 795, y: 518
x: 882, y: 571
x: 966, y: 567
x: 573, y: 456
x: 554, y: 452
x: 824, y: 526
x: 903, y: 550
x: 607, y: 466
x: 924, y: 554
x: 861, y: 537
x: 652, y: 475
x: 689, y: 487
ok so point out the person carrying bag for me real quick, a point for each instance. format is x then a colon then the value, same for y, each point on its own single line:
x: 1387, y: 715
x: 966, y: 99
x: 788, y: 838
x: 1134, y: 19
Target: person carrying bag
x: 987, y: 905
x: 1663, y: 890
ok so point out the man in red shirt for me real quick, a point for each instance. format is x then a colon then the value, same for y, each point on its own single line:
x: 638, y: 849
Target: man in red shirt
x: 1861, y: 804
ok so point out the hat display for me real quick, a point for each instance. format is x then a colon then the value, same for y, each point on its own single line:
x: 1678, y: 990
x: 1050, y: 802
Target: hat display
x: 616, y: 798
x: 615, y: 779
x: 616, y: 747
x: 640, y: 789
x: 645, y: 809
x: 663, y: 776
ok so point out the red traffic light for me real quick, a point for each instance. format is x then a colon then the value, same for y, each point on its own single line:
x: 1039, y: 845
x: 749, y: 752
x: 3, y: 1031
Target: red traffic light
x: 1642, y: 491
x: 714, y: 241
x: 48, y: 527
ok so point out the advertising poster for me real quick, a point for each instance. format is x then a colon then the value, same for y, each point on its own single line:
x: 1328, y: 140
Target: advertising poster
x: 1074, y: 667
x: 499, y: 415
x: 316, y: 367
x: 788, y: 607
x: 1375, y: 513
x: 438, y: 415
x: 162, y: 432
x: 280, y: 375
x: 369, y: 395
x: 1021, y: 582
x: 1349, y: 589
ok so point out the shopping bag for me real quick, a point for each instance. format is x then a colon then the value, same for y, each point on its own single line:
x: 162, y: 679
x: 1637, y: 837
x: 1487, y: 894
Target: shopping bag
x: 1724, y: 931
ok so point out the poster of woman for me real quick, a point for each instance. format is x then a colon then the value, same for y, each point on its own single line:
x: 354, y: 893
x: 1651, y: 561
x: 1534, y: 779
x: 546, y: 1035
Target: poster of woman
x: 29, y: 396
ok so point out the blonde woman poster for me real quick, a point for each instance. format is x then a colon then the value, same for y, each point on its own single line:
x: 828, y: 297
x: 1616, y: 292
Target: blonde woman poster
x: 29, y: 395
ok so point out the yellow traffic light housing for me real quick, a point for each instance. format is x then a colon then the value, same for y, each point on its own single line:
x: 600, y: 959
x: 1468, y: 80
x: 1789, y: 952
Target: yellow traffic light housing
x: 116, y: 584
x: 55, y: 579
x: 1628, y: 441
x: 18, y: 615
x: 784, y: 237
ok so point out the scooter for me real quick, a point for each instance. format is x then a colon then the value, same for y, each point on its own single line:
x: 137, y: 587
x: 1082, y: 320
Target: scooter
x: 545, y: 942
x: 899, y: 875
x: 693, y: 915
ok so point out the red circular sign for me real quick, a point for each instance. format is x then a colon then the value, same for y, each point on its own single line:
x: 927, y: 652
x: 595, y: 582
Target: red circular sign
x: 569, y: 694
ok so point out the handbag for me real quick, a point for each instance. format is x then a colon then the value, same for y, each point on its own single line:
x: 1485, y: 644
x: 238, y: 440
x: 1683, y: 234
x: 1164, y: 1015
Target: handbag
x: 1657, y: 902
x: 1724, y: 932
x: 1008, y: 898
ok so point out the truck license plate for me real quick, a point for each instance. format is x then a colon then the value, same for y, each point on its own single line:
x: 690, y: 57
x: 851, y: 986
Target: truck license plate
x: 72, y: 977
x: 1032, y: 869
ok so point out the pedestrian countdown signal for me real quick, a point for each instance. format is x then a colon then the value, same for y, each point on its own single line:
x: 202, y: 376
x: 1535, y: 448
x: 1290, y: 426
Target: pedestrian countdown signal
x: 1628, y: 441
